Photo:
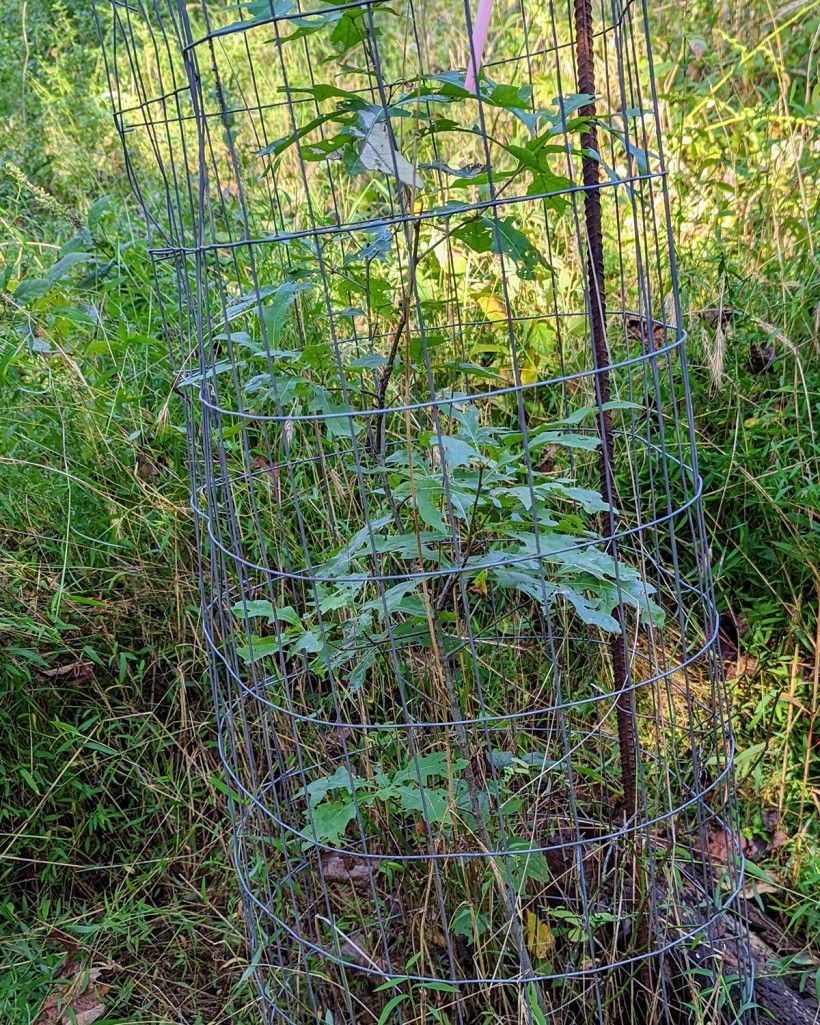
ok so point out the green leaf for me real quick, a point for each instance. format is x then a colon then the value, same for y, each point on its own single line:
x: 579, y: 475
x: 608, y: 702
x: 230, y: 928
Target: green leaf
x: 278, y: 146
x: 636, y: 592
x: 253, y: 964
x: 590, y: 501
x: 583, y: 412
x: 376, y: 249
x: 450, y: 84
x: 358, y: 674
x: 309, y: 643
x: 35, y: 288
x: 640, y: 156
x: 393, y: 598
x: 469, y: 923
x: 568, y: 105
x: 510, y: 96
x: 335, y: 425
x: 509, y: 240
x: 275, y: 313
x: 340, y: 780
x: 390, y: 1007
x: 456, y: 451
x: 524, y: 867
x: 240, y: 304
x: 527, y: 582
x: 75, y: 316
x: 372, y: 361
x: 360, y: 542
x: 571, y: 551
x: 564, y: 439
x: 338, y: 598
x: 435, y: 764
x: 428, y: 494
x: 324, y: 92
x: 545, y: 183
x: 330, y: 820
x: 97, y: 211
x: 409, y: 546
x: 488, y: 235
x: 306, y: 26
x: 589, y: 611
x: 476, y: 234
x: 522, y: 494
x: 65, y: 264
x: 260, y: 608
x: 433, y: 805
x: 324, y: 149
x: 30, y: 780
x: 224, y: 366
x: 467, y: 173
x: 32, y: 289
x: 260, y: 647
x: 252, y: 609
x: 260, y: 10
x: 535, y: 1007
x: 351, y: 29
x: 282, y: 388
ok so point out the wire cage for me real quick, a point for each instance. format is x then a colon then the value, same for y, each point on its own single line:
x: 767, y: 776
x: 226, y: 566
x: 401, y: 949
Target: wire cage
x: 455, y: 581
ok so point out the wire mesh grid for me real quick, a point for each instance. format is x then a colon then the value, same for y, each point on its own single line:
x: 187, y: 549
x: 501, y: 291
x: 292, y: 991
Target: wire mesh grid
x: 455, y: 582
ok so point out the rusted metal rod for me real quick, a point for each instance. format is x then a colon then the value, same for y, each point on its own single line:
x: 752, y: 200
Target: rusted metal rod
x: 597, y: 313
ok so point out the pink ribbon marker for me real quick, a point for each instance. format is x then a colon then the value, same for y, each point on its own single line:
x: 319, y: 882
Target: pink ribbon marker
x: 481, y: 26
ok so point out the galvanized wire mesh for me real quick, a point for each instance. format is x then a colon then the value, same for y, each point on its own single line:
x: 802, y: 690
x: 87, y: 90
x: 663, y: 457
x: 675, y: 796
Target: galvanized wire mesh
x: 455, y: 580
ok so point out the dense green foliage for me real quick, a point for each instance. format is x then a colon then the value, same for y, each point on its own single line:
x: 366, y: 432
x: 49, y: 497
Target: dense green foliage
x: 113, y: 838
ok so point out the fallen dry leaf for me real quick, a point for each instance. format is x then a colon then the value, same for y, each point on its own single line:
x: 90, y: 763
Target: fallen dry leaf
x: 547, y: 464
x: 757, y: 887
x: 736, y: 663
x: 351, y: 951
x: 742, y: 666
x: 540, y: 941
x: 638, y: 327
x: 718, y: 315
x: 76, y: 672
x: 770, y: 817
x: 379, y: 154
x: 76, y: 999
x: 335, y: 741
x: 342, y: 868
x: 272, y: 472
x: 144, y: 467
x: 723, y: 845
x: 761, y: 357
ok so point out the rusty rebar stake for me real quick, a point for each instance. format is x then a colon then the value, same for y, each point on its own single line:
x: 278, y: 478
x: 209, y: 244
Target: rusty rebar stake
x: 597, y: 312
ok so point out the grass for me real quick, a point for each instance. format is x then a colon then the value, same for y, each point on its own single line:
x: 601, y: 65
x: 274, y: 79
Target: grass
x: 743, y: 152
x: 112, y: 819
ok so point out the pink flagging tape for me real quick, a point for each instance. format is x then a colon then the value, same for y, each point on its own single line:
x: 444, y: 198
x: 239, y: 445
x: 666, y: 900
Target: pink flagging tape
x: 481, y: 26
